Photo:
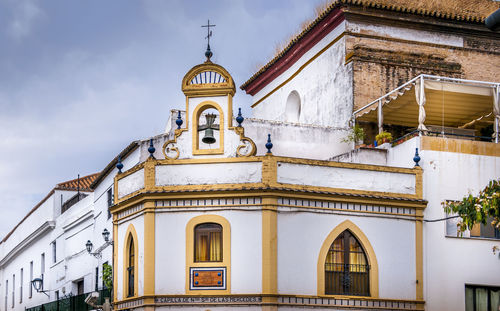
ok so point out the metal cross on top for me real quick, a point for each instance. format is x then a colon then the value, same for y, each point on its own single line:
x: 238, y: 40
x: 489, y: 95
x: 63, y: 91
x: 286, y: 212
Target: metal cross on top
x: 208, y: 53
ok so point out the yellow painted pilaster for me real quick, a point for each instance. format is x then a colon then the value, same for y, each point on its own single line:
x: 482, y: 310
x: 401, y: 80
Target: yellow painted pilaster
x: 419, y: 186
x: 419, y: 246
x: 149, y: 174
x: 269, y: 252
x: 149, y: 248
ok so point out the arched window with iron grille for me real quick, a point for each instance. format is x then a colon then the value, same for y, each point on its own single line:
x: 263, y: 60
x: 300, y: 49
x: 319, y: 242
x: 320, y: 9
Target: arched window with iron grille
x: 130, y: 268
x: 346, y: 267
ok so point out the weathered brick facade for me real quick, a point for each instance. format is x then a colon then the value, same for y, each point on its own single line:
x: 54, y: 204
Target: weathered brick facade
x: 383, y: 59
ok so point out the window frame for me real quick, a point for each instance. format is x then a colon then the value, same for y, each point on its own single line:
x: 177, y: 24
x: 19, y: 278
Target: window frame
x: 474, y: 287
x: 345, y: 262
x: 369, y: 253
x: 198, y: 234
x: 226, y: 253
x: 130, y: 236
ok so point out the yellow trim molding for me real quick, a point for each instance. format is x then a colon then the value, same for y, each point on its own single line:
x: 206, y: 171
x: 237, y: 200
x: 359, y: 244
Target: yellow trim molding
x: 208, y: 89
x: 149, y: 248
x: 130, y: 233
x: 226, y: 252
x: 367, y: 247
x: 460, y: 146
x: 194, y: 128
x: 269, y: 249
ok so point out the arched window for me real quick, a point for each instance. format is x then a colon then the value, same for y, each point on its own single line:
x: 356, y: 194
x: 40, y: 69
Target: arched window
x: 346, y: 267
x: 208, y: 242
x: 292, y: 108
x: 130, y: 267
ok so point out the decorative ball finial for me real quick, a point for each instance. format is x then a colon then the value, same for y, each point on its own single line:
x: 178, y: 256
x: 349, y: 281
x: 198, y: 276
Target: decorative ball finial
x: 239, y: 118
x: 208, y: 53
x: 416, y: 158
x: 151, y: 148
x: 269, y: 144
x: 119, y: 164
x: 179, y: 121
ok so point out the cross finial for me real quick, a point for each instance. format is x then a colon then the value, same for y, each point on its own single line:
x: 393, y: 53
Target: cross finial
x: 208, y: 52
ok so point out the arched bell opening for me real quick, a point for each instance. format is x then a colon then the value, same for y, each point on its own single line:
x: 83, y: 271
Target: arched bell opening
x: 208, y: 129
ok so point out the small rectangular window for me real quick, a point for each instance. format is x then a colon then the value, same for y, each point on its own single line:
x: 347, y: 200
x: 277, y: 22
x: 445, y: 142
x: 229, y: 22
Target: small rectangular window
x: 6, y: 292
x: 96, y: 278
x: 54, y: 252
x: 13, y: 290
x: 31, y: 279
x: 479, y: 298
x: 21, y: 285
x: 42, y: 263
x: 110, y: 201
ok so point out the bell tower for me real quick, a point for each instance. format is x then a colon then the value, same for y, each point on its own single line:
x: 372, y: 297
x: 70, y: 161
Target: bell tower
x: 209, y: 91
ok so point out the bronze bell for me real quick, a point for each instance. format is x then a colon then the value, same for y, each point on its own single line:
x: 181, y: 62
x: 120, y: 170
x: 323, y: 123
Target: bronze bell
x: 209, y: 129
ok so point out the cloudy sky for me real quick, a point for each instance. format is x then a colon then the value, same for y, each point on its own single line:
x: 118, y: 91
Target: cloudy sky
x: 79, y: 80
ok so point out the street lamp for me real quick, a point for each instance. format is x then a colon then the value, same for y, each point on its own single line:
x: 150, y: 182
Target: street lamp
x: 37, y: 284
x: 89, y: 246
x: 105, y: 235
x: 98, y: 251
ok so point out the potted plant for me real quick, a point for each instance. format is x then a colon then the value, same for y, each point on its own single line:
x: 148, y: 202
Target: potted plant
x: 383, y: 137
x: 356, y: 135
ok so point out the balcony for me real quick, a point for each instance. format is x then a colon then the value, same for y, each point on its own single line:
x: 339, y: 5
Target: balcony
x: 436, y: 106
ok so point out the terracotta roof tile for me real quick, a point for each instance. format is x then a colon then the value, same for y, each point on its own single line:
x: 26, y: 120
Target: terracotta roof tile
x: 85, y: 183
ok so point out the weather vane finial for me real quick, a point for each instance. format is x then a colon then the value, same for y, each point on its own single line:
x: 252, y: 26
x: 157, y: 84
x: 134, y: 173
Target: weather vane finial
x: 208, y: 53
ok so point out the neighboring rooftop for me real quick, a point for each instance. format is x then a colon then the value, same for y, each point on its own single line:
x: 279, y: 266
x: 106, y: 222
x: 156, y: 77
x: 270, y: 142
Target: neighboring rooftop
x: 71, y: 185
x: 83, y: 184
x: 472, y: 11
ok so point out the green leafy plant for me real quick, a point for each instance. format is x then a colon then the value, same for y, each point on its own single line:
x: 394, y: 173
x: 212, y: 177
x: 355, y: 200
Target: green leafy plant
x: 383, y: 137
x: 107, y: 275
x: 356, y: 135
x: 477, y: 209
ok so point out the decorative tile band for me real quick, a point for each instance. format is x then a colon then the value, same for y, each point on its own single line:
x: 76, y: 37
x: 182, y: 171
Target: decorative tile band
x: 131, y: 210
x: 130, y: 304
x: 352, y: 303
x: 210, y: 202
x: 348, y: 303
x: 346, y: 206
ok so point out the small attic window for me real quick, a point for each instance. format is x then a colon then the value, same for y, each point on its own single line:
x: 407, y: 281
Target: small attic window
x: 292, y: 108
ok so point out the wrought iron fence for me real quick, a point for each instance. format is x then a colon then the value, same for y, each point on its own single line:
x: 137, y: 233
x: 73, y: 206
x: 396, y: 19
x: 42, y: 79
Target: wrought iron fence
x: 72, y: 303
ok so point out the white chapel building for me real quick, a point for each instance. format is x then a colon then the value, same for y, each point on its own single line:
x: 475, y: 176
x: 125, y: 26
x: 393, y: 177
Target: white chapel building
x: 281, y: 210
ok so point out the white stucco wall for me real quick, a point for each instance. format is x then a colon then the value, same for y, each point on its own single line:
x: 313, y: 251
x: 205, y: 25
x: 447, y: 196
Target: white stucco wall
x: 345, y: 178
x: 246, y: 251
x: 300, y: 237
x: 324, y: 87
x: 212, y: 173
x: 131, y: 183
x: 450, y: 263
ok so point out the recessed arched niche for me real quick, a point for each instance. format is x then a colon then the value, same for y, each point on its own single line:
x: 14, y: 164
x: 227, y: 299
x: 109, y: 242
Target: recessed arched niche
x: 208, y: 129
x: 292, y: 107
